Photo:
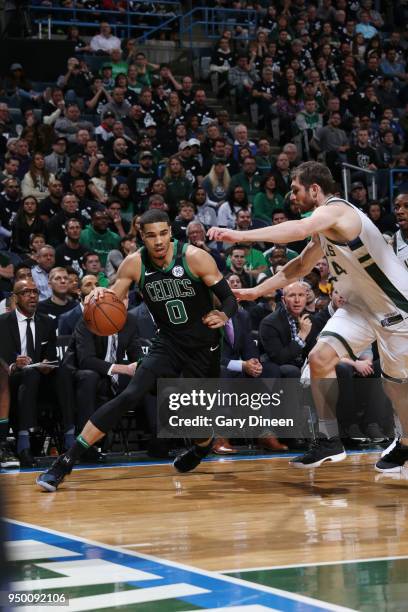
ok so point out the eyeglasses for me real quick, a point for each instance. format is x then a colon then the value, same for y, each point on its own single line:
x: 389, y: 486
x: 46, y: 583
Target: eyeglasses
x: 26, y: 292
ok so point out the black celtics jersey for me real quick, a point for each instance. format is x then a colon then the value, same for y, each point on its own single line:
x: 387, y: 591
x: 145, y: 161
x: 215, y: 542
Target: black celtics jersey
x: 177, y: 299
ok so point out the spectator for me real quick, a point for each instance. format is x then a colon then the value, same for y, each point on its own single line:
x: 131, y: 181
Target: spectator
x: 206, y: 209
x: 102, y: 183
x: 385, y: 222
x: 67, y: 321
x: 365, y: 26
x: 242, y: 140
x: 140, y: 179
x: 40, y: 272
x: 264, y: 94
x: 97, y: 237
x: 105, y: 41
x: 26, y: 223
x: 362, y: 154
x: 264, y: 158
x: 178, y: 187
x: 227, y: 212
x: 10, y: 170
x: 249, y: 178
x: 57, y: 163
x: 127, y: 245
x: 242, y: 78
x: 237, y: 264
x: 200, y: 109
x: 196, y: 236
x: 56, y: 225
x: 267, y: 200
x: 222, y: 61
x: 308, y: 122
x: 91, y: 264
x: 358, y: 195
x: 217, y: 182
x: 35, y: 182
x: 118, y: 105
x: 51, y: 205
x: 185, y: 215
x: 71, y: 123
x: 71, y: 252
x: 58, y: 303
x: 288, y: 334
x: 74, y: 83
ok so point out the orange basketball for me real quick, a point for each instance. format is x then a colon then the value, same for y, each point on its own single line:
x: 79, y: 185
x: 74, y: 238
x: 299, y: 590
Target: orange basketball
x: 105, y: 316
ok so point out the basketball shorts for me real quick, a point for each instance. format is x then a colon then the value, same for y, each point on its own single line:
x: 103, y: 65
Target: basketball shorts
x: 350, y: 331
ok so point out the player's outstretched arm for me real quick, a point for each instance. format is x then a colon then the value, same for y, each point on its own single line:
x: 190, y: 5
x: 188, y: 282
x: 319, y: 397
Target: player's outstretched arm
x: 128, y: 272
x: 203, y: 265
x: 291, y: 272
x: 289, y: 231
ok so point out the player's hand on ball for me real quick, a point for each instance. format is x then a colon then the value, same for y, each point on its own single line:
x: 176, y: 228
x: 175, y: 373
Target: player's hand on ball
x: 222, y: 234
x: 96, y: 294
x: 215, y: 319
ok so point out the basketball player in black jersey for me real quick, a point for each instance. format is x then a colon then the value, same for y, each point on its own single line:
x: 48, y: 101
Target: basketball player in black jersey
x: 177, y: 282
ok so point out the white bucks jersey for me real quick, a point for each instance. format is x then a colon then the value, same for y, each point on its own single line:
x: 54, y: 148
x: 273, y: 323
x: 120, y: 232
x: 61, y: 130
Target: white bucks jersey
x: 400, y: 246
x: 367, y: 272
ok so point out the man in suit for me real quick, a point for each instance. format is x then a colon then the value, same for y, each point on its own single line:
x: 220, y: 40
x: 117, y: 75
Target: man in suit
x: 97, y: 364
x: 288, y: 334
x: 146, y: 326
x: 67, y: 321
x: 240, y: 359
x: 27, y: 337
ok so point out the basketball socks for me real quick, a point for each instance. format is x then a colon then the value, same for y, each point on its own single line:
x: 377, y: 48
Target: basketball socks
x: 23, y: 440
x: 79, y: 447
x: 4, y: 427
x: 329, y: 428
x: 69, y: 437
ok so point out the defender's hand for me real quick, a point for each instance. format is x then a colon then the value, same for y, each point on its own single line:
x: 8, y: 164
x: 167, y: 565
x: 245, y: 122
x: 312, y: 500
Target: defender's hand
x: 222, y: 234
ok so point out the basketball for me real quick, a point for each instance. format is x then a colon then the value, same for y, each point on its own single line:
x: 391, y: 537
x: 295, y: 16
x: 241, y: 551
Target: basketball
x: 105, y: 316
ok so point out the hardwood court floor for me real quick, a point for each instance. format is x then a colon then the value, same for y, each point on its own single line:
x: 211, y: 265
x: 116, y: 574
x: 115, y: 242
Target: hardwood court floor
x: 234, y: 516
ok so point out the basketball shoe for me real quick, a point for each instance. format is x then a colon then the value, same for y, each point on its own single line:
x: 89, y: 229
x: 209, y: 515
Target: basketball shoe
x: 52, y: 478
x: 189, y: 459
x: 393, y: 460
x: 321, y: 450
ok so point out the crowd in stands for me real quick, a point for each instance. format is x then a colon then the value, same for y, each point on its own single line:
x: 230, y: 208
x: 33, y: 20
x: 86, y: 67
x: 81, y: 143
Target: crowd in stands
x: 82, y: 159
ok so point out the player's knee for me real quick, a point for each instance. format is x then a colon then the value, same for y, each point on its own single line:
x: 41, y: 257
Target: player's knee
x: 322, y: 361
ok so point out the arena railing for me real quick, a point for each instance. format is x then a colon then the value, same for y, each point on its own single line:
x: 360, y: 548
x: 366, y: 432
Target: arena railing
x: 370, y: 174
x: 123, y: 21
x: 393, y: 185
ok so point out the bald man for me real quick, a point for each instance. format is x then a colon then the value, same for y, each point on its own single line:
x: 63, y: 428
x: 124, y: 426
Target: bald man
x: 288, y: 334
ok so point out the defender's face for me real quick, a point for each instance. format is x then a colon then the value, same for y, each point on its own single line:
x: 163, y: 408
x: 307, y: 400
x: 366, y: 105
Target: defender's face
x: 300, y: 196
x: 401, y: 211
x: 156, y: 237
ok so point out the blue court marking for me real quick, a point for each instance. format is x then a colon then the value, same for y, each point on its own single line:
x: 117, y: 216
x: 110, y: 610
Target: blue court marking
x: 223, y: 590
x: 220, y: 459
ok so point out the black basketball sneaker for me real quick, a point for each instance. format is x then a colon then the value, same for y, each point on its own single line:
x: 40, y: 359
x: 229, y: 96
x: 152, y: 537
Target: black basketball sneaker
x: 393, y: 460
x: 52, y: 478
x: 189, y: 459
x: 321, y: 450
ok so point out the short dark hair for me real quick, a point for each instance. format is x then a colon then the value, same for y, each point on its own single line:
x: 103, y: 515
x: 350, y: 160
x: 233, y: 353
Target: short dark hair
x: 154, y: 216
x: 22, y: 265
x: 314, y: 172
x: 87, y: 255
x: 71, y: 270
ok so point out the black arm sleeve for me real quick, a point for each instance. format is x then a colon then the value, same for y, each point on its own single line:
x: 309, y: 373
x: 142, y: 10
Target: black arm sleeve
x: 229, y: 305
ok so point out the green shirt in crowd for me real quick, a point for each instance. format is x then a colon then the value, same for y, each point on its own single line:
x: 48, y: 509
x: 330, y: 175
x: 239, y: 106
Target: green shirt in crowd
x: 263, y: 206
x: 100, y: 243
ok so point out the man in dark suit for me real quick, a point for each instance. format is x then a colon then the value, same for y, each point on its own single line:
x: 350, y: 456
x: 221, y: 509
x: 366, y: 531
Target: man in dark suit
x: 97, y: 365
x: 288, y: 334
x: 67, y: 321
x: 240, y: 359
x: 146, y: 327
x: 27, y: 337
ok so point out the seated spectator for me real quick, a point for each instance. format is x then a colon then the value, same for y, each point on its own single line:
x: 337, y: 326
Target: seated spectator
x: 70, y: 252
x: 68, y: 321
x: 118, y: 105
x: 74, y: 83
x: 51, y: 205
x: 71, y: 123
x: 26, y: 222
x: 185, y: 215
x: 267, y: 200
x: 35, y: 181
x: 105, y: 41
x: 127, y: 245
x: 325, y: 283
x: 264, y: 158
x: 91, y: 264
x: 282, y: 174
x: 102, y: 183
x: 196, y: 235
x: 140, y: 180
x: 222, y: 60
x: 381, y: 219
x: 200, y: 109
x: 216, y: 183
x: 308, y: 122
x: 59, y: 302
x: 73, y: 283
x: 241, y: 79
x: 362, y: 154
x: 97, y: 365
x: 236, y: 264
x: 97, y: 237
x: 333, y: 142
x: 288, y: 334
x: 264, y: 94
x: 40, y: 272
x: 358, y: 195
x: 178, y: 187
x: 29, y: 337
x: 56, y: 225
x: 10, y: 170
x: 365, y: 26
x: 205, y: 208
x: 76, y: 171
x: 242, y: 140
x: 249, y: 178
x: 227, y: 212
